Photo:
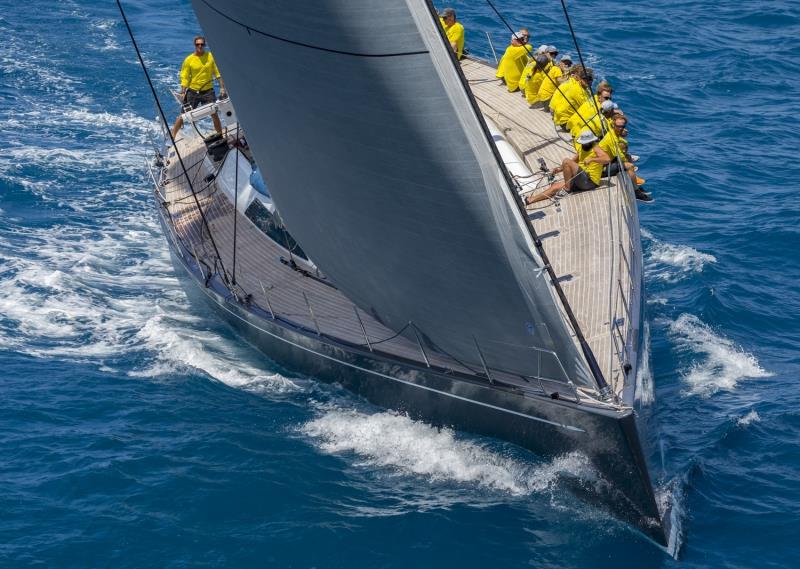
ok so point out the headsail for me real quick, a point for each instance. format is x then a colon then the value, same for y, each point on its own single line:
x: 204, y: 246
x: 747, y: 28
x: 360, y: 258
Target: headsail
x: 382, y: 171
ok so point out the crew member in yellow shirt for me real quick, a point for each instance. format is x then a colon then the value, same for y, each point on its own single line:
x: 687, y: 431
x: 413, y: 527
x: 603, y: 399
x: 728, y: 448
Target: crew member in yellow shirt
x: 581, y: 172
x: 514, y: 60
x: 557, y: 75
x: 530, y: 68
x: 588, y: 110
x: 571, y: 95
x: 616, y: 146
x: 542, y: 64
x: 588, y: 117
x: 197, y: 82
x: 454, y: 31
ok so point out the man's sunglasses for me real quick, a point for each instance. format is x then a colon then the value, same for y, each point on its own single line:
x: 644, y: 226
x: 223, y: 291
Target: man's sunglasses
x: 199, y: 44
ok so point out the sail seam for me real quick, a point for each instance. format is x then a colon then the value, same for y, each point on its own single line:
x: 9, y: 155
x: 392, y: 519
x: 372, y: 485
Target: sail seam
x: 308, y: 45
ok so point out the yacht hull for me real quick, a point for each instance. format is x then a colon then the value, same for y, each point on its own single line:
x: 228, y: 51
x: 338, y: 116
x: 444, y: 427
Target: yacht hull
x: 548, y: 427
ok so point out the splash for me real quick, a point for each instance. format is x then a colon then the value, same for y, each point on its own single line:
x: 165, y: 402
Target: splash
x: 397, y: 442
x: 722, y: 364
x: 671, y: 263
x: 751, y: 417
x: 645, y: 392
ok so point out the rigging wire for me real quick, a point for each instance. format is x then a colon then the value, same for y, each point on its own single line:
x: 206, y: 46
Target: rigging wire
x: 172, y: 139
x: 235, y: 201
x: 591, y: 360
x: 553, y: 81
x: 580, y: 55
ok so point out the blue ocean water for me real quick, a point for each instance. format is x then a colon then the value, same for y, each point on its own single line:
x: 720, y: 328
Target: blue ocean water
x: 137, y: 431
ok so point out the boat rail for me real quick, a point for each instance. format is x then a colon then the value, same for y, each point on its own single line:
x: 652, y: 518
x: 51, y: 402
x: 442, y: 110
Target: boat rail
x: 626, y: 273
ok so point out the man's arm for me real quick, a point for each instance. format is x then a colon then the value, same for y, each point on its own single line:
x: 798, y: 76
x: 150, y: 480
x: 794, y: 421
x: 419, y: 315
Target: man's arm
x: 602, y: 157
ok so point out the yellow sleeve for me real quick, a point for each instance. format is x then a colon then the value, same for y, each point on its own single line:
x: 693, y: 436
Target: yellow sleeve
x: 185, y: 73
x: 456, y: 34
x: 501, y: 66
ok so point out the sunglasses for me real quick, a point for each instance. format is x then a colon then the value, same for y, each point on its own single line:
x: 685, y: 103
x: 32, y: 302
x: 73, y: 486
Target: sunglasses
x: 199, y: 44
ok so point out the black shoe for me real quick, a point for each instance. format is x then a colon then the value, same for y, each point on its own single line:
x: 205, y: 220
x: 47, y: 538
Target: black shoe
x: 643, y: 196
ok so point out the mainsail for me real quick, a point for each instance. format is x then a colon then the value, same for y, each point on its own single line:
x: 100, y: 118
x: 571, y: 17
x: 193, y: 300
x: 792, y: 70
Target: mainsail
x: 382, y: 171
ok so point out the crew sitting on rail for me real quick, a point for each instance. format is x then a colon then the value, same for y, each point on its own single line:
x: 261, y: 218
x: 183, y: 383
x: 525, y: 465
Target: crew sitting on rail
x: 514, y: 60
x: 571, y: 94
x: 589, y: 109
x: 542, y: 66
x: 616, y: 147
x: 589, y: 117
x: 454, y: 30
x: 197, y: 82
x: 555, y: 76
x: 581, y: 172
x: 530, y: 69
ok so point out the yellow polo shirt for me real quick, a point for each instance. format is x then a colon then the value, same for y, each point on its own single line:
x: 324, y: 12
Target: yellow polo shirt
x: 549, y: 87
x: 610, y: 143
x: 198, y: 72
x: 511, y: 65
x: 534, y: 84
x: 573, y: 97
x: 594, y: 170
x: 455, y: 33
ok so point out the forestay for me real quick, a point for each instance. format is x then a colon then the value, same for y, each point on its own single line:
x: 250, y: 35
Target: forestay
x: 382, y: 171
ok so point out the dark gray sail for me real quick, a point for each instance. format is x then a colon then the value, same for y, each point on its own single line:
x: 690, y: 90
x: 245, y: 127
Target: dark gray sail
x: 381, y: 170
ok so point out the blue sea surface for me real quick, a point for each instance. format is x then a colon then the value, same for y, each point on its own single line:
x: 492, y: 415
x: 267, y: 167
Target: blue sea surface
x: 136, y: 430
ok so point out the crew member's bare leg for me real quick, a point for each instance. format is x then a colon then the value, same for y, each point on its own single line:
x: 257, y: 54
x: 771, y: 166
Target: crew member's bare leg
x: 177, y: 126
x: 569, y: 168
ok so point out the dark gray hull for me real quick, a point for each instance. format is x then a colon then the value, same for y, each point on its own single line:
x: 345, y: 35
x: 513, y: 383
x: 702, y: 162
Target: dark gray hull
x: 543, y: 425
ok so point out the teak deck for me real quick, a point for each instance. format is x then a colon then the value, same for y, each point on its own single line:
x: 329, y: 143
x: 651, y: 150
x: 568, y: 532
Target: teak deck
x: 584, y: 234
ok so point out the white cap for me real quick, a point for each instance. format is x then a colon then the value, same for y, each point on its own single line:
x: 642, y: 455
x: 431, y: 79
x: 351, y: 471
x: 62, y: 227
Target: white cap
x: 586, y: 137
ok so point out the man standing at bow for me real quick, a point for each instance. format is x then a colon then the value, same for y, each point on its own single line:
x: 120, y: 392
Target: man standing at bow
x: 197, y: 82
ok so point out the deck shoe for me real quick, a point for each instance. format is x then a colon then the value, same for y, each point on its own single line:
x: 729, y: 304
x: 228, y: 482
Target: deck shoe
x: 643, y: 196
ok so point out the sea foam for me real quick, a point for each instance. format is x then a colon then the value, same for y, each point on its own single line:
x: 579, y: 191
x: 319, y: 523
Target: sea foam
x: 671, y: 263
x: 720, y: 364
x: 394, y: 441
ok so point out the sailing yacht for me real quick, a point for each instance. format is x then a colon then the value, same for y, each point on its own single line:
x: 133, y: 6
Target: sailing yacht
x: 382, y: 241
